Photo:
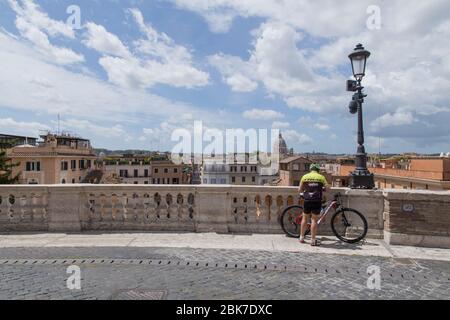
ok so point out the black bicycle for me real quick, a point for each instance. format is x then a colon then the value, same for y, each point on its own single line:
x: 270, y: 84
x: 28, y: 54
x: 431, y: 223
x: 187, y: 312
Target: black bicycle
x: 349, y: 225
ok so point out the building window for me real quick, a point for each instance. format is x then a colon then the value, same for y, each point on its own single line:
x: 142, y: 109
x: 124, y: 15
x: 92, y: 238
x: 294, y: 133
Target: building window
x: 73, y: 164
x: 146, y: 173
x: 175, y: 170
x: 33, y: 166
x: 253, y: 179
x: 233, y: 179
x: 145, y: 182
x: 123, y: 173
x: 166, y: 170
x: 175, y: 181
x: 73, y: 181
x: 64, y: 166
x: 81, y: 164
x: 136, y: 182
x: 205, y: 181
x: 213, y: 181
x: 243, y: 179
x: 296, y: 167
x: 156, y: 170
x: 307, y: 166
x: 136, y: 173
x: 223, y: 181
x: 63, y: 181
x: 89, y: 164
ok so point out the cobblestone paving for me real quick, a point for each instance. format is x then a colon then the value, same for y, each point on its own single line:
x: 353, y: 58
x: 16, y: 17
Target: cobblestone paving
x: 325, y: 277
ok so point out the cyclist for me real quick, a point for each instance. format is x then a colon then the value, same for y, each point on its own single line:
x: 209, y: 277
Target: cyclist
x: 312, y: 187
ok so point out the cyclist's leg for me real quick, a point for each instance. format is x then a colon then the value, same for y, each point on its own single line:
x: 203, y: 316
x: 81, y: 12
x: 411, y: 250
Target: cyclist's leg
x: 306, y: 218
x: 304, y: 226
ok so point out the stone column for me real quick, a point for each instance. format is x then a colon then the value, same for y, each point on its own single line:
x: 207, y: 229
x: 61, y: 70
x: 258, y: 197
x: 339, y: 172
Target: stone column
x: 64, y: 208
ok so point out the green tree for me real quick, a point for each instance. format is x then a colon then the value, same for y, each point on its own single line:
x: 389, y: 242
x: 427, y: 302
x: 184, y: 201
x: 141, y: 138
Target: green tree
x: 6, y: 168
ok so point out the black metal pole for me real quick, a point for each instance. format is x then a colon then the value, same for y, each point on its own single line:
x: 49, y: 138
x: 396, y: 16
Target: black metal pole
x: 361, y: 178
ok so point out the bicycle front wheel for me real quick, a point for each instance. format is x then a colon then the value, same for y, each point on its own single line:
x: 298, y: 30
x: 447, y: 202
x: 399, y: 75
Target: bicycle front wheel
x: 349, y: 225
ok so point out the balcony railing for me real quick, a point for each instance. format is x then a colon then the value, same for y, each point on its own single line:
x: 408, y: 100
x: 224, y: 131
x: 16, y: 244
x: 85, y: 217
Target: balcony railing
x: 420, y: 217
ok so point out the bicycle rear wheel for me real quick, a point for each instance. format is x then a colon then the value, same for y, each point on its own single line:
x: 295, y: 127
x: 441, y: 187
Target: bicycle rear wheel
x: 349, y: 225
x: 291, y: 220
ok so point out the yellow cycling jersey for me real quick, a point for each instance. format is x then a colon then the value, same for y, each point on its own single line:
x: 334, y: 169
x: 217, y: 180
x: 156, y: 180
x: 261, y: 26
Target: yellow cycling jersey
x: 313, y: 184
x: 314, y: 176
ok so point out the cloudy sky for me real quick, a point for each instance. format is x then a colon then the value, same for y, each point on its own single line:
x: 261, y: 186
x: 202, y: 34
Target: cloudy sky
x: 131, y: 72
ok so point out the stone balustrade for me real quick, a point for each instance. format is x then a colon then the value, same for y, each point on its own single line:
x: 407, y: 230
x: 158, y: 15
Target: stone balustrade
x: 420, y: 218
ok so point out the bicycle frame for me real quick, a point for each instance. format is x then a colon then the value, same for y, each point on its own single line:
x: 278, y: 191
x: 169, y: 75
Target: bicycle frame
x: 333, y: 205
x: 323, y: 214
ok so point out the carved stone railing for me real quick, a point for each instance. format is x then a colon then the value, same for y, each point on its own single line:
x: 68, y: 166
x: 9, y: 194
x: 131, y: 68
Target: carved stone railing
x: 236, y: 209
x: 421, y: 218
x: 23, y: 209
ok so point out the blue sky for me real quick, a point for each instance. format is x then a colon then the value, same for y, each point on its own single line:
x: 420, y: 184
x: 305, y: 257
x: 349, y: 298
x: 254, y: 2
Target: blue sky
x: 135, y: 71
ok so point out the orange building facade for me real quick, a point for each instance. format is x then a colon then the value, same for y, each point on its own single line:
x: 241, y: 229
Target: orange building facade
x: 417, y: 173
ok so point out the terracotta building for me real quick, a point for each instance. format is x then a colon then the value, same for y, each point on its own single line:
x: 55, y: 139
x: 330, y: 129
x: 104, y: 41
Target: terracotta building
x: 58, y: 159
x: 292, y: 170
x: 416, y: 173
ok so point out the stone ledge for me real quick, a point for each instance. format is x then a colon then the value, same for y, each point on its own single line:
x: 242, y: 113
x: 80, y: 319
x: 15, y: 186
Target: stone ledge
x: 416, y: 240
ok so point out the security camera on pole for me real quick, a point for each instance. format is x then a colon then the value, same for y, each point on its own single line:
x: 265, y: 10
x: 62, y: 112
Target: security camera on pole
x: 361, y: 178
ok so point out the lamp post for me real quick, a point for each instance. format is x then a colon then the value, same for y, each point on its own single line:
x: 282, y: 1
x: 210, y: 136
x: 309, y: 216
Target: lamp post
x: 361, y: 178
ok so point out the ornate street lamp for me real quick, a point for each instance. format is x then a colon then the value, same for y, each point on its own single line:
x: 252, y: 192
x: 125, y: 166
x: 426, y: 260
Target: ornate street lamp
x: 361, y: 178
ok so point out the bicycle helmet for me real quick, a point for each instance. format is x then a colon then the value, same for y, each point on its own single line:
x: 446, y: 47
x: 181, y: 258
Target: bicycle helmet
x: 315, y: 167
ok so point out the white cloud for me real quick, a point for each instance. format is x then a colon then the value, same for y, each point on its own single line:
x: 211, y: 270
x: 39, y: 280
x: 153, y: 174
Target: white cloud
x: 11, y: 126
x: 313, y: 16
x: 262, y: 115
x: 89, y: 128
x: 35, y: 26
x: 238, y: 74
x: 47, y: 88
x: 280, y: 125
x: 240, y: 83
x: 98, y: 38
x: 157, y: 59
x: 297, y: 138
x: 393, y: 119
x: 322, y: 126
x: 282, y: 67
x: 315, y: 124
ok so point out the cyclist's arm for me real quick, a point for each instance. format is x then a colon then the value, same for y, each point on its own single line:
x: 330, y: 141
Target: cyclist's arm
x: 325, y: 184
x: 302, y: 187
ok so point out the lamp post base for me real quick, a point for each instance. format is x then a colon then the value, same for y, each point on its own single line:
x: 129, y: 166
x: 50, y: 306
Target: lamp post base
x: 362, y: 179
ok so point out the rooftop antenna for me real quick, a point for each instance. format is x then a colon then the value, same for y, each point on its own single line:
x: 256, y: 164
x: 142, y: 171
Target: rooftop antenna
x: 59, y: 120
x: 379, y: 131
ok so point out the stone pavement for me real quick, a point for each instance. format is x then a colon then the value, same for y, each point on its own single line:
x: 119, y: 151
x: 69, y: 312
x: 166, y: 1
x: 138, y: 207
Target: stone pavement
x: 212, y: 266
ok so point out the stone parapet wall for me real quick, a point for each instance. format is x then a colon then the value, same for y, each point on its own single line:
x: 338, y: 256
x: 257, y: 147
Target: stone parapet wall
x: 393, y: 214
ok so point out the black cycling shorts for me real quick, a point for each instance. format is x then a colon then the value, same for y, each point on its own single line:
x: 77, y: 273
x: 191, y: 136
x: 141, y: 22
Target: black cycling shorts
x: 312, y: 207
